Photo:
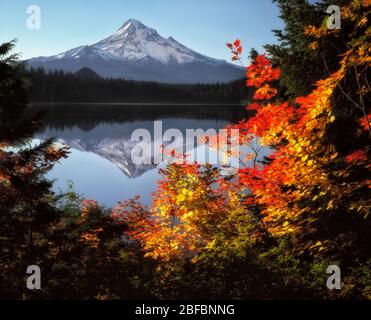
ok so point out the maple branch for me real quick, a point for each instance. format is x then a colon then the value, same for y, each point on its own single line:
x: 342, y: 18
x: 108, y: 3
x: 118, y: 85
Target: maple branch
x: 361, y: 101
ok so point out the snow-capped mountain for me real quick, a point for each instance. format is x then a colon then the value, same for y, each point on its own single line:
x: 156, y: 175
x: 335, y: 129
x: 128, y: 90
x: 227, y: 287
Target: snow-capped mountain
x: 138, y: 52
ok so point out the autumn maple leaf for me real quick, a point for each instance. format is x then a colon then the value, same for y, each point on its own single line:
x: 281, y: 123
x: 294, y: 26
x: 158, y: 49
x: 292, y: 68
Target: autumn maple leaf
x: 237, y: 43
x: 357, y: 156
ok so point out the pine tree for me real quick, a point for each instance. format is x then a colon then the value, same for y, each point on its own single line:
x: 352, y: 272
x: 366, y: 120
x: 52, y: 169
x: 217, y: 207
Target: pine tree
x: 25, y: 209
x: 300, y: 65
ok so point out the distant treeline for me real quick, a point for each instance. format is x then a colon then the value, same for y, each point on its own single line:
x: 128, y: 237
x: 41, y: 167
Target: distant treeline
x: 60, y: 86
x: 86, y: 117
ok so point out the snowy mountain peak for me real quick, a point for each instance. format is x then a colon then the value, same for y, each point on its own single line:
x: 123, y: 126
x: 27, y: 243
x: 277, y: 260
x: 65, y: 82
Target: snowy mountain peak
x: 131, y: 24
x: 138, y: 52
x: 134, y: 41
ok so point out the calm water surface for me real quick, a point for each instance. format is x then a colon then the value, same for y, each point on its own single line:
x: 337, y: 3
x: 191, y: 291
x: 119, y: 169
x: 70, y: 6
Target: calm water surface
x: 100, y: 165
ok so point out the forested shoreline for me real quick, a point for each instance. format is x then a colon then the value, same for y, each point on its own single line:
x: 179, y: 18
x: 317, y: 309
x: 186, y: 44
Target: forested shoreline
x: 86, y: 86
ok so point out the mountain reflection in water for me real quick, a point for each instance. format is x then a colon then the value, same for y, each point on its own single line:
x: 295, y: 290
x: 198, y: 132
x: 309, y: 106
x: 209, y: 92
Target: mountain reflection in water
x: 100, y: 164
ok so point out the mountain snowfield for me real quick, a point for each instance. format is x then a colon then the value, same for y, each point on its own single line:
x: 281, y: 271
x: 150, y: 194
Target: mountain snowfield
x: 137, y: 52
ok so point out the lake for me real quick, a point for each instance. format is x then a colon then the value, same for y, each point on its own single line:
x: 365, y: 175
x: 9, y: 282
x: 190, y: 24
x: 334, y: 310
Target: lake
x: 100, y: 164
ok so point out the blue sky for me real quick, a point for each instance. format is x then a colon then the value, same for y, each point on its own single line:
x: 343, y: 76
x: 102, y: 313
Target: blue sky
x: 203, y: 25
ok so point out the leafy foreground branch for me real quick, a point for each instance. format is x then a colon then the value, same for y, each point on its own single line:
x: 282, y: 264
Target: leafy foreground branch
x: 272, y: 230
